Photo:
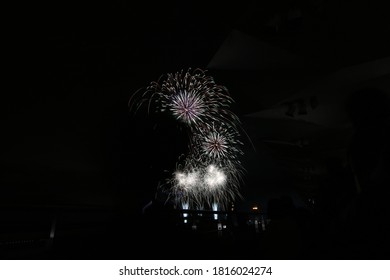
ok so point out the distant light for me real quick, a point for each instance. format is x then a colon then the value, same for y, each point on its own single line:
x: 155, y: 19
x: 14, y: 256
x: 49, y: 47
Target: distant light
x: 185, y: 221
x: 224, y: 226
x: 215, y: 208
x: 255, y: 208
x: 185, y: 206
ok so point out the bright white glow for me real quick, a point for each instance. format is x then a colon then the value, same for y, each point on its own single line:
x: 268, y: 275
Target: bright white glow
x: 185, y: 206
x: 188, y: 180
x: 214, y: 177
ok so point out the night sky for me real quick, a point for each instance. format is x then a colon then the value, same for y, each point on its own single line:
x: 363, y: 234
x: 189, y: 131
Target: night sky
x: 68, y: 125
x: 70, y: 140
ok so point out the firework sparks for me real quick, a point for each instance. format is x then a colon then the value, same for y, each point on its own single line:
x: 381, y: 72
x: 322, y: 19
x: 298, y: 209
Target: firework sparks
x: 211, y: 171
x: 191, y: 97
x: 218, y: 142
x: 214, y: 177
x: 210, y: 183
x: 188, y: 107
x: 187, y: 181
x: 215, y: 144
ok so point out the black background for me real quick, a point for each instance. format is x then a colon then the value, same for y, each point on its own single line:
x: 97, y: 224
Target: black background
x: 69, y: 140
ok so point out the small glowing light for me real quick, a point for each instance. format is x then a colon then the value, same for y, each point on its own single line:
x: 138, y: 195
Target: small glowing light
x: 224, y: 226
x: 215, y: 208
x: 185, y: 221
x: 185, y: 206
x: 255, y: 208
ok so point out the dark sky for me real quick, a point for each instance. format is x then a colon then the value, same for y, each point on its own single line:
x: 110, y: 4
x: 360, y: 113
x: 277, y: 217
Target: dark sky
x: 68, y: 135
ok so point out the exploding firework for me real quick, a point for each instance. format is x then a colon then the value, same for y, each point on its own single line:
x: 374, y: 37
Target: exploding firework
x: 188, y: 107
x: 219, y: 142
x: 202, y: 183
x: 210, y: 173
x: 216, y: 145
x: 214, y: 178
x: 191, y: 97
x: 211, y: 185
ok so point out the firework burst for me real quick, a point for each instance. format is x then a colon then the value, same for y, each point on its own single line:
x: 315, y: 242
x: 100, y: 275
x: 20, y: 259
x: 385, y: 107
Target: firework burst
x: 191, y: 97
x: 188, y: 107
x: 219, y: 142
x: 216, y: 145
x: 201, y: 183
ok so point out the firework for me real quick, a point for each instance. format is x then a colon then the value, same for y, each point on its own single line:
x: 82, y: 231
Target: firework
x: 217, y: 142
x: 214, y: 177
x: 206, y: 183
x: 191, y: 97
x: 210, y: 173
x: 188, y: 180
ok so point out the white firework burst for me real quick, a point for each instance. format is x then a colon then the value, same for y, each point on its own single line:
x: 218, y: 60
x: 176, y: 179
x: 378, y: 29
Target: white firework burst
x: 214, y: 177
x: 188, y: 107
x: 191, y: 97
x: 206, y: 184
x: 187, y: 180
x: 217, y: 142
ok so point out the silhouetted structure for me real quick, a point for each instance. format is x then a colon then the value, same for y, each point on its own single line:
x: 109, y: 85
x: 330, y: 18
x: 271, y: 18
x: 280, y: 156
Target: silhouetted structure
x: 364, y: 228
